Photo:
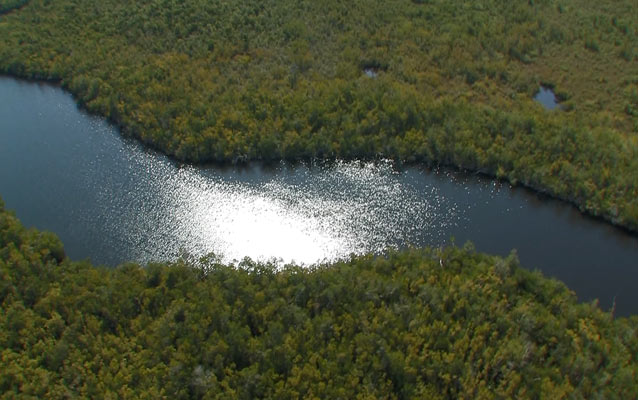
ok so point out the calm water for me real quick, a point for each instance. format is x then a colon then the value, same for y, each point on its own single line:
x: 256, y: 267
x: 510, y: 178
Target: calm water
x: 547, y: 98
x: 111, y: 200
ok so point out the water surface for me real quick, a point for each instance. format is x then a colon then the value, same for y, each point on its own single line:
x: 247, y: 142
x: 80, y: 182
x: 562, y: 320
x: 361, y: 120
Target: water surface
x: 111, y: 200
x: 547, y: 98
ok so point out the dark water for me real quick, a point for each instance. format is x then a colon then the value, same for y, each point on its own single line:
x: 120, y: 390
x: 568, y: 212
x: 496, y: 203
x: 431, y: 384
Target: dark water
x: 547, y: 98
x: 111, y: 200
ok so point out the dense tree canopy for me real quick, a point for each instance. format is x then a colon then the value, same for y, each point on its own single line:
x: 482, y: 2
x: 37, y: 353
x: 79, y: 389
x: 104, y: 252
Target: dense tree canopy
x: 8, y: 5
x: 221, y: 80
x: 433, y: 323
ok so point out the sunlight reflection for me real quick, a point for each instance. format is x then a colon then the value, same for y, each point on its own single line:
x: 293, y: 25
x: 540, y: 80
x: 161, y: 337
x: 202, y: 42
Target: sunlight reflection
x: 325, y: 214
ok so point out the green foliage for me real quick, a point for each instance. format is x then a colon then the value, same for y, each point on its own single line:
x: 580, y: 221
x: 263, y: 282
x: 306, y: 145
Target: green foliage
x: 8, y: 5
x: 430, y: 323
x: 228, y: 81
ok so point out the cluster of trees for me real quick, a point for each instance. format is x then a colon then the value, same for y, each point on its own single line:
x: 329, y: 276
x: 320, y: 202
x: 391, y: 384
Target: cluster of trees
x: 8, y: 5
x: 432, y: 323
x: 229, y: 81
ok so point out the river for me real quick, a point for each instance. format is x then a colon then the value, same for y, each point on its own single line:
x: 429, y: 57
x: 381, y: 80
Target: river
x: 111, y: 200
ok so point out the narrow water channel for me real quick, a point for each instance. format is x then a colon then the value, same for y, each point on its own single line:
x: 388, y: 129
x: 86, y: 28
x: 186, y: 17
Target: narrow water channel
x: 111, y: 200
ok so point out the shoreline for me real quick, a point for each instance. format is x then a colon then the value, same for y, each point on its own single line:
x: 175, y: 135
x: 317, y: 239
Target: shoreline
x: 629, y: 228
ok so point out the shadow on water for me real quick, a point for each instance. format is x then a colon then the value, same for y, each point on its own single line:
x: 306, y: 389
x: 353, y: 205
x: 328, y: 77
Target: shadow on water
x: 112, y: 200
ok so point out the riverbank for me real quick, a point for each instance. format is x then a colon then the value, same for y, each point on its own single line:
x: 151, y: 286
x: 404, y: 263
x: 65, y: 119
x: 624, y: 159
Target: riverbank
x: 114, y: 200
x: 424, y: 156
x: 378, y: 326
x: 200, y: 101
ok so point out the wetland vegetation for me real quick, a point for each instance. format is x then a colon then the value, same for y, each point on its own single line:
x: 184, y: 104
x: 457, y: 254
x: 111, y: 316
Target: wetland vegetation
x: 432, y: 323
x: 232, y: 81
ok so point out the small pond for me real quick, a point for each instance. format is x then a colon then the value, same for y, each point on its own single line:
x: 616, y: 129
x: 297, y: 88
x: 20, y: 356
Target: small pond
x: 547, y: 98
x: 371, y: 72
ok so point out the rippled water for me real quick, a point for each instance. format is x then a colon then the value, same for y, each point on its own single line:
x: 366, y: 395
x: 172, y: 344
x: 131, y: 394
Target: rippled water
x: 111, y: 200
x: 286, y: 213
